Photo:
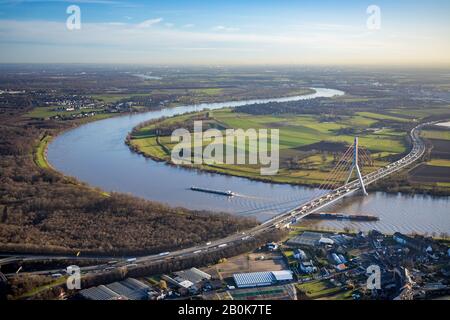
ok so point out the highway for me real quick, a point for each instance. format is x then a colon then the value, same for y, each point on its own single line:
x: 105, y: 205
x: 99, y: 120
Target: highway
x: 283, y: 220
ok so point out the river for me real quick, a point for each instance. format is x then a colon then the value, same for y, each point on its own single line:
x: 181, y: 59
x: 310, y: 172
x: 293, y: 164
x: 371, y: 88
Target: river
x: 95, y: 153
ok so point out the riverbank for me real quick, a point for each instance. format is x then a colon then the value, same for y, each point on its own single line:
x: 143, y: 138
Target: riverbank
x: 41, y: 161
x: 306, y: 137
x: 40, y: 155
x: 398, y: 184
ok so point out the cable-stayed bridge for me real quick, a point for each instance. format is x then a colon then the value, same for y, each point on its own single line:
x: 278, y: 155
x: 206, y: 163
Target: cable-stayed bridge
x: 345, y: 166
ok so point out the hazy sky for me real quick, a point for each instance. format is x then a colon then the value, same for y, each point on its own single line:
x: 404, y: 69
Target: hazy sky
x: 226, y: 32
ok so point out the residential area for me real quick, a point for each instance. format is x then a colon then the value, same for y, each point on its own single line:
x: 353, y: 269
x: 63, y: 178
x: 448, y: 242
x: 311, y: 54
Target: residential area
x: 309, y: 265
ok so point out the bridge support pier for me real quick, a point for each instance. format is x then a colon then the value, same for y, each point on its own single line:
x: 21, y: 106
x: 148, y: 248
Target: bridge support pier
x: 355, y: 167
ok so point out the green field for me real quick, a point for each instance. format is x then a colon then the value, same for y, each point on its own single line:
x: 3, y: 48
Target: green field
x: 297, y: 164
x: 47, y: 112
x: 319, y: 289
x: 419, y: 113
x: 114, y: 97
x: 439, y: 162
x: 379, y: 116
x: 436, y: 134
x: 40, y: 156
x: 208, y: 91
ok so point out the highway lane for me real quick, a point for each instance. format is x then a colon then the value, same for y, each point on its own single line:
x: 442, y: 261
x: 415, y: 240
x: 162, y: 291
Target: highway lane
x: 281, y: 221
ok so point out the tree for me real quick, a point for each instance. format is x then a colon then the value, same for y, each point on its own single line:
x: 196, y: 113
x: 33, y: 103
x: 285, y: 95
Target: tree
x: 163, y: 285
x: 4, y: 215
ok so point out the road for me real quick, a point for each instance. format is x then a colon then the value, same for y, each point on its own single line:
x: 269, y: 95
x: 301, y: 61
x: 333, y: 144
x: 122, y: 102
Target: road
x: 283, y: 220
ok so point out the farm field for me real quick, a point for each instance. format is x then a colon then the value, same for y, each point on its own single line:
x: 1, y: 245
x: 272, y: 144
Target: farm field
x: 436, y: 171
x: 47, y: 112
x: 251, y: 262
x: 437, y: 134
x: 309, y: 147
x: 322, y: 290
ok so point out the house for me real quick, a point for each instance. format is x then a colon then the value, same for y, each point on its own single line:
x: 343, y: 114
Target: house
x: 300, y: 254
x: 341, y: 267
x: 307, y: 267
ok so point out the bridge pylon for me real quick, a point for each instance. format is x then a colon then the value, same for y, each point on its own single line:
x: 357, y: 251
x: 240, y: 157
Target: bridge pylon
x: 355, y: 167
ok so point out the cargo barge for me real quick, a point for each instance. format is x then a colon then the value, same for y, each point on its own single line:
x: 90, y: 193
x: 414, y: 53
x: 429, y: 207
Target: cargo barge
x: 227, y: 193
x: 341, y: 216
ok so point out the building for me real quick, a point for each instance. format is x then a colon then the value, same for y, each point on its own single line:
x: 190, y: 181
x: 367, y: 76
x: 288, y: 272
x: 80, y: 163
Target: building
x: 283, y: 276
x: 300, y: 254
x: 259, y: 279
x: 306, y: 239
x: 340, y: 239
x: 128, y: 289
x: 415, y: 244
x: 307, y: 267
x: 312, y: 239
x: 178, y: 281
x: 341, y: 267
x: 193, y: 275
x: 190, y: 280
x: 272, y: 246
x: 100, y: 293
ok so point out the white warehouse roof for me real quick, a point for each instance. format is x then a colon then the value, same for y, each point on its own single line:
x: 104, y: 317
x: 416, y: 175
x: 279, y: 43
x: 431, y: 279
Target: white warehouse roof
x: 258, y: 279
x: 283, y: 275
x: 253, y: 279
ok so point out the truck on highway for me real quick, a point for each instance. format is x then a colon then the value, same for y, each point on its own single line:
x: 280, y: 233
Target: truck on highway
x: 131, y: 265
x: 163, y: 254
x: 222, y: 245
x: 131, y: 260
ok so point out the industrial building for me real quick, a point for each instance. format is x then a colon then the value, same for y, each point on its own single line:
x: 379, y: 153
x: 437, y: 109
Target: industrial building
x: 307, y: 267
x: 178, y: 281
x: 191, y: 280
x: 193, y: 275
x: 300, y: 254
x: 128, y: 289
x: 259, y: 279
x: 413, y: 243
x: 311, y: 239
